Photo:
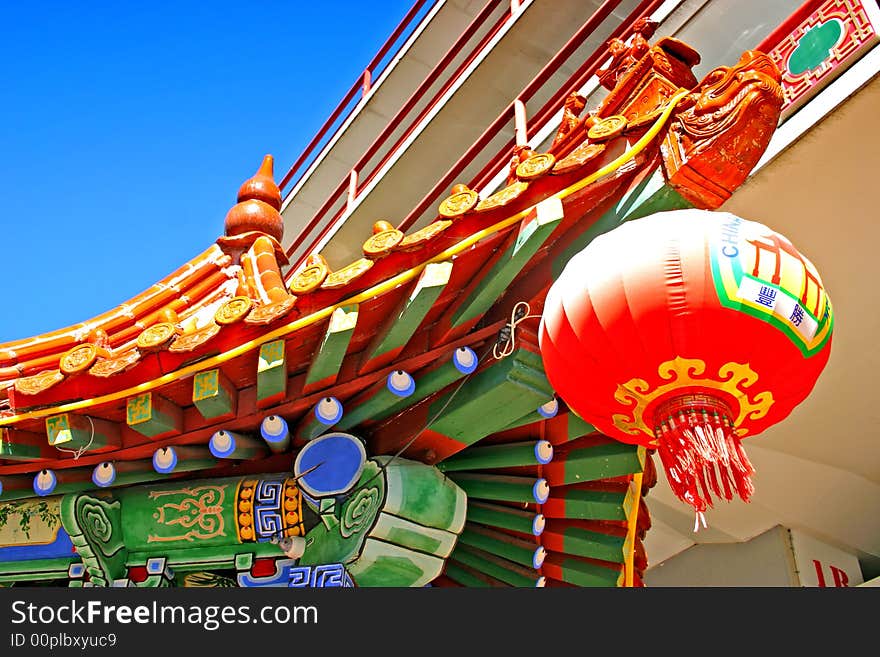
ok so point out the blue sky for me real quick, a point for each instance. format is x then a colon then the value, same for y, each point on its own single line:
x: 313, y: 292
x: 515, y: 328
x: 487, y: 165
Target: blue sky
x: 127, y: 128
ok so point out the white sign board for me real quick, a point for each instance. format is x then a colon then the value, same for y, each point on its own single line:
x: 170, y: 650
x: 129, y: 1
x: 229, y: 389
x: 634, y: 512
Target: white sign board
x: 820, y: 564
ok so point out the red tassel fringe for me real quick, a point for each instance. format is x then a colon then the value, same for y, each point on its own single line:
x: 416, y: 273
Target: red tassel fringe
x: 701, y: 452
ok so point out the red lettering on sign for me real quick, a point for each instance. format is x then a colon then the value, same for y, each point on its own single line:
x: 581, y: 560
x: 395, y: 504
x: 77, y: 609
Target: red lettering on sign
x: 840, y: 577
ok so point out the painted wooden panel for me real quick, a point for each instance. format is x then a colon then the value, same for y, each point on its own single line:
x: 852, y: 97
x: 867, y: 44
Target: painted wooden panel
x: 325, y: 365
x: 271, y: 373
x: 68, y: 431
x: 403, y: 322
x: 153, y: 416
x: 213, y: 394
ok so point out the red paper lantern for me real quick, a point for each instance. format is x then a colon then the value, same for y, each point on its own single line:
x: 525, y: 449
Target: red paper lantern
x: 684, y: 332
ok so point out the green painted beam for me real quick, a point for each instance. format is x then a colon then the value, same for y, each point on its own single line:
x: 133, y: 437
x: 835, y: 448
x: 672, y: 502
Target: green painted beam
x: 403, y: 322
x: 462, y: 362
x: 464, y: 577
x: 502, y: 488
x: 36, y: 569
x: 652, y: 194
x: 60, y: 488
x: 525, y: 553
x: 321, y: 418
x: 491, y: 399
x: 327, y: 362
x: 375, y: 401
x: 78, y: 480
x: 18, y: 445
x: 276, y: 433
x: 153, y: 416
x: 576, y: 427
x: 271, y: 373
x: 68, y: 431
x: 21, y: 486
x: 229, y: 445
x: 577, y: 571
x: 109, y: 474
x: 588, y: 460
x: 545, y: 411
x: 505, y: 517
x: 568, y: 538
x: 213, y: 394
x: 584, y: 504
x: 183, y: 458
x: 508, y: 455
x: 532, y: 235
x: 510, y: 573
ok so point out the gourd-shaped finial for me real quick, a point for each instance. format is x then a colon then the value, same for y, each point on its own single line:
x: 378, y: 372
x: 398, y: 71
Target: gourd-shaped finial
x: 259, y: 202
x: 262, y: 186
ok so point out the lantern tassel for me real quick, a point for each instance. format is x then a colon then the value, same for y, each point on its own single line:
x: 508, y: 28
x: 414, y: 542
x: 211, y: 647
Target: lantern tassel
x: 701, y: 453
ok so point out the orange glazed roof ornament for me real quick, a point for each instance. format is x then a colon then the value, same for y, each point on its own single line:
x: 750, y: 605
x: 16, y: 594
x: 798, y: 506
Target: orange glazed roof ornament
x: 259, y: 201
x: 262, y: 186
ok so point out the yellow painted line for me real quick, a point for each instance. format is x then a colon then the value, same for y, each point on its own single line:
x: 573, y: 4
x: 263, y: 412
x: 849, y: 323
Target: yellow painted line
x: 636, y: 148
x: 632, y: 522
x: 376, y: 290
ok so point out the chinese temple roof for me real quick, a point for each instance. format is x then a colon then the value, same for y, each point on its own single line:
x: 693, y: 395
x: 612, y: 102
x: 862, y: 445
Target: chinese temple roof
x: 425, y: 345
